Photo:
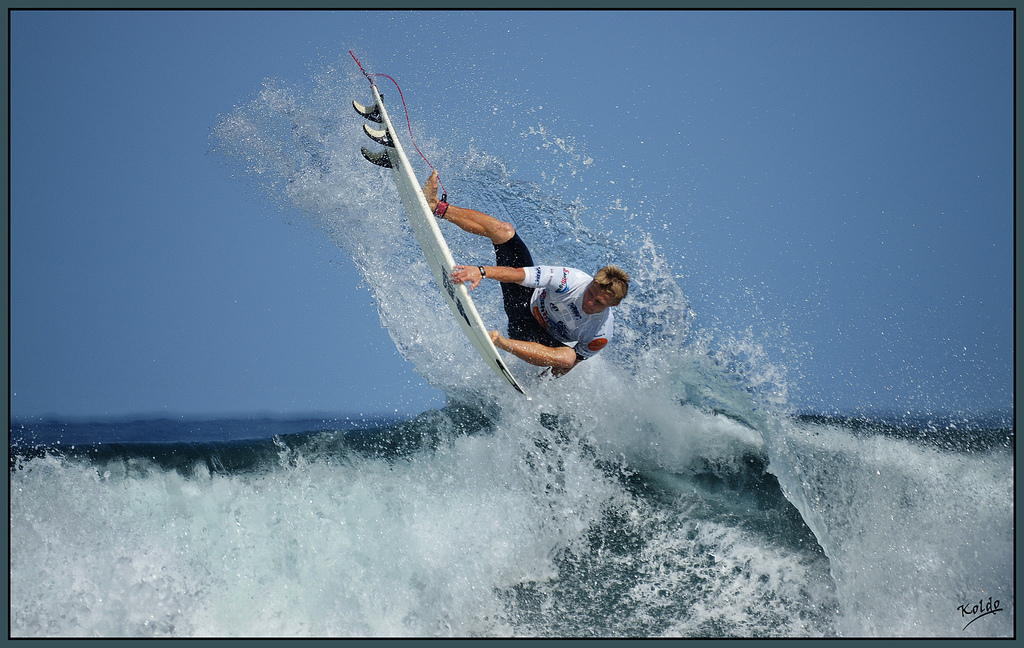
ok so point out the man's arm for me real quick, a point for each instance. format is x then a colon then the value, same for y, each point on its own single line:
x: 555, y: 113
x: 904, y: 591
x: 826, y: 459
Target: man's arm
x: 560, y: 359
x: 498, y: 273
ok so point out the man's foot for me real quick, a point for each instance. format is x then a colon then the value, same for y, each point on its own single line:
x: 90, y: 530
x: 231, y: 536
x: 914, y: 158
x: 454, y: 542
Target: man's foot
x: 430, y: 191
x: 468, y: 220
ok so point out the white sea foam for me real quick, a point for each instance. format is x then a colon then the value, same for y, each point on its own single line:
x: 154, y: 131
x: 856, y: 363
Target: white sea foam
x: 912, y: 532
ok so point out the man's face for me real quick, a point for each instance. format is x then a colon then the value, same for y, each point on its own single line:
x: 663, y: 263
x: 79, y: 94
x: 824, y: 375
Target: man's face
x: 596, y: 299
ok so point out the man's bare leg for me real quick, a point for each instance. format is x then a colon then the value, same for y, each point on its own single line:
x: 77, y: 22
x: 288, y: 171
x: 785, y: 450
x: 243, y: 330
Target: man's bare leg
x: 469, y: 220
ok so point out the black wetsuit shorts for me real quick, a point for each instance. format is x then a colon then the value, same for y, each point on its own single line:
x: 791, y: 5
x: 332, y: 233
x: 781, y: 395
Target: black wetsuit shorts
x: 522, y: 325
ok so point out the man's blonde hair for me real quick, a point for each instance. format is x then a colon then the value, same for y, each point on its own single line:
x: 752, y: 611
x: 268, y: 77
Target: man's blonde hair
x: 614, y: 280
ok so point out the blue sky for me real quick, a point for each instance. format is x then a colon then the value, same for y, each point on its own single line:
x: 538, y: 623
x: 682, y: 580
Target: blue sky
x: 844, y: 177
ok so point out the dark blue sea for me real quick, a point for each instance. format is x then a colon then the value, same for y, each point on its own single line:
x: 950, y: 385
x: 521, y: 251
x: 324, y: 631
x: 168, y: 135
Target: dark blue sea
x: 666, y: 488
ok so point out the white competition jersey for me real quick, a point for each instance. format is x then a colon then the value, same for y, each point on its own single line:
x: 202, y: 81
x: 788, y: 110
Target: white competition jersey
x: 557, y: 306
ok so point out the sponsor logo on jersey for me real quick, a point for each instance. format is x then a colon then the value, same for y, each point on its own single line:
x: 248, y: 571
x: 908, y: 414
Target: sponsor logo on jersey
x: 563, y: 285
x: 539, y: 317
x: 537, y: 280
x: 597, y: 344
x: 575, y: 311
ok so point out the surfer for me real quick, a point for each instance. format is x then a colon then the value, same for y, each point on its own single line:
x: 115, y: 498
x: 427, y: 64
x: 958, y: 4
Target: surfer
x: 548, y: 307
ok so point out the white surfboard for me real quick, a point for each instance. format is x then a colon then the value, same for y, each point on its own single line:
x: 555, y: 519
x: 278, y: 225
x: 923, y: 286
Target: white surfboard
x: 424, y: 225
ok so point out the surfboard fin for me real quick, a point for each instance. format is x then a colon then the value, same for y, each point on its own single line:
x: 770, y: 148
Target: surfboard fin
x: 372, y: 113
x: 380, y: 159
x: 379, y: 136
